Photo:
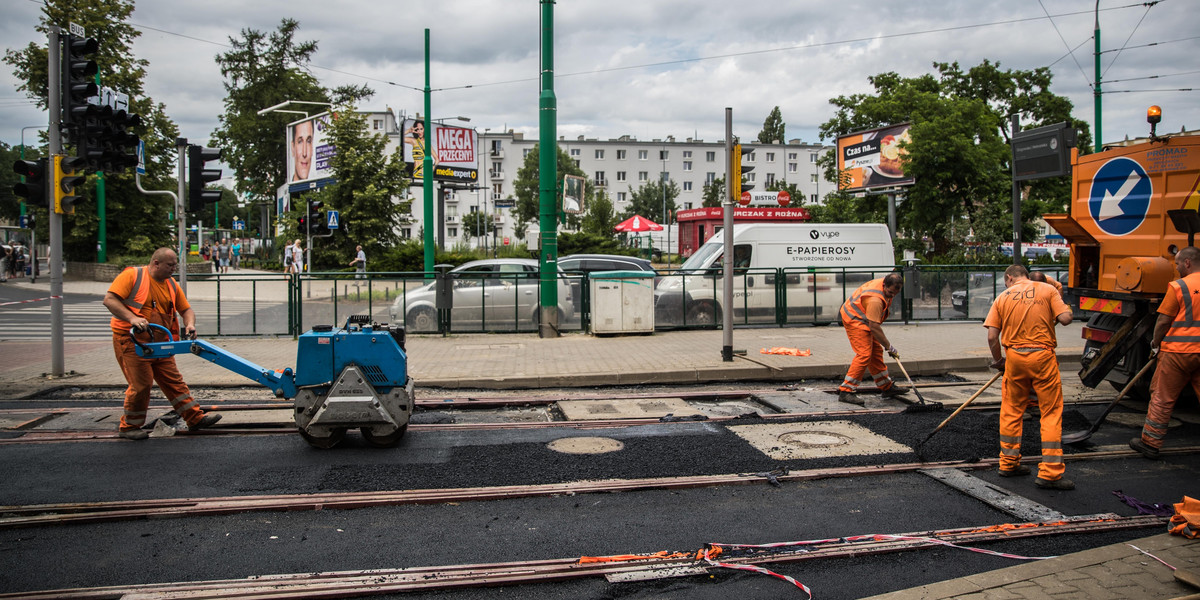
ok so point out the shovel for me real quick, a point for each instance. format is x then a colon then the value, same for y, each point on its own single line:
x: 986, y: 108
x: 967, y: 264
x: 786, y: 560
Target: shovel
x: 1082, y: 436
x: 964, y: 405
x: 914, y: 407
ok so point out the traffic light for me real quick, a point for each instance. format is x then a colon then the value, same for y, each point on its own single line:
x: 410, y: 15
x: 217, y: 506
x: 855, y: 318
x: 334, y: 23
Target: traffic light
x: 737, y: 170
x: 316, y: 218
x: 68, y: 176
x: 79, y: 79
x: 198, y: 177
x: 33, y: 186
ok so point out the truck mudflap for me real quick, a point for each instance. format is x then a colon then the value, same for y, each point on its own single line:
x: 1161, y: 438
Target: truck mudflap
x: 1098, y: 362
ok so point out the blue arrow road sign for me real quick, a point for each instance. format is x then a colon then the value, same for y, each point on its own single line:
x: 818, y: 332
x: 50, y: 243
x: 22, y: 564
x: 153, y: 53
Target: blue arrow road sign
x: 1120, y: 196
x: 331, y: 219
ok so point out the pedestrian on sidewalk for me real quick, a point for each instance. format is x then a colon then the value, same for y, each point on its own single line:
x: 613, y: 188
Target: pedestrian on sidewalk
x: 1176, y: 344
x: 1021, y: 321
x: 360, y: 260
x: 297, y: 257
x: 236, y: 249
x: 863, y: 315
x: 138, y: 297
x: 6, y: 258
x: 223, y: 255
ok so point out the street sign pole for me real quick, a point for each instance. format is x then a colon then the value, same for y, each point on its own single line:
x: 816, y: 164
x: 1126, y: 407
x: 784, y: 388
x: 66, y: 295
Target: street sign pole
x: 727, y: 262
x: 57, y: 366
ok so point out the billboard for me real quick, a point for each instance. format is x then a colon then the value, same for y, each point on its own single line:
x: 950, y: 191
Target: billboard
x: 454, y: 152
x: 873, y: 159
x: 309, y: 152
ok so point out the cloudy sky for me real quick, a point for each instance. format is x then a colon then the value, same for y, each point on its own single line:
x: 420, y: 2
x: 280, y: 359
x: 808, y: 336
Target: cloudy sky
x: 653, y: 68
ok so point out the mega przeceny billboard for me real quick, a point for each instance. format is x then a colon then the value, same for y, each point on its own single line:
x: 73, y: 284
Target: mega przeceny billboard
x: 309, y: 151
x: 873, y: 159
x: 453, y: 152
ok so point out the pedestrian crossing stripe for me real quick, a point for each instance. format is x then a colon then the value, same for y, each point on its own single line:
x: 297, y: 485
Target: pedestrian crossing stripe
x: 1100, y: 305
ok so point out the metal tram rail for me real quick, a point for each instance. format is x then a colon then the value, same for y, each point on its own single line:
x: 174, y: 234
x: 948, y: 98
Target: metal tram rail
x: 341, y: 584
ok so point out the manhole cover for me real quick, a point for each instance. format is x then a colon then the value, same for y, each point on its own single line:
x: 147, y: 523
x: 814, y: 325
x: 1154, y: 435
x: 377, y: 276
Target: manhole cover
x: 815, y: 439
x: 585, y: 445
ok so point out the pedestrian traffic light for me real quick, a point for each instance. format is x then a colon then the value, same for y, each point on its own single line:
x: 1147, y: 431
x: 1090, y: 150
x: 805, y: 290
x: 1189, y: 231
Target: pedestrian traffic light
x: 33, y: 180
x: 68, y: 176
x: 316, y: 218
x: 79, y: 79
x: 198, y: 177
x: 737, y: 170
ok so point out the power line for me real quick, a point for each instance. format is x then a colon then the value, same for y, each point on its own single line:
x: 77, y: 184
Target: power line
x: 1064, y: 41
x: 1153, y: 77
x: 1149, y: 5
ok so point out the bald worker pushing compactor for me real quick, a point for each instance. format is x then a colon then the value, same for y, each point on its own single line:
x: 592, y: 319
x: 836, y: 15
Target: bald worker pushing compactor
x: 863, y: 314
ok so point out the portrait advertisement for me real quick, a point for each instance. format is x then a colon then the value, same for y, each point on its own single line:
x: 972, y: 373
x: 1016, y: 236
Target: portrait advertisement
x: 309, y: 152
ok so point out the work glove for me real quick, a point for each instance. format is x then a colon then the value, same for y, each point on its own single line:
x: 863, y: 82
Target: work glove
x: 998, y: 364
x: 893, y: 352
x: 1153, y: 353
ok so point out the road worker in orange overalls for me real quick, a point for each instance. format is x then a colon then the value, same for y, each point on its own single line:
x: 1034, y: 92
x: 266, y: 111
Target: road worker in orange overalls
x: 1176, y: 343
x: 1022, y: 321
x: 1040, y: 276
x: 862, y: 315
x: 138, y: 297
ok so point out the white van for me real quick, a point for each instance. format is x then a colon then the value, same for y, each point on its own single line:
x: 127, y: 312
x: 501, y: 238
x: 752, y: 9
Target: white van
x: 821, y: 263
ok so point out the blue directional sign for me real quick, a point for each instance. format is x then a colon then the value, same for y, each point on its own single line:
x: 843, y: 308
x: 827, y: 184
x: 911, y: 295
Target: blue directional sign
x: 239, y: 224
x: 24, y: 222
x: 331, y: 219
x: 1120, y: 196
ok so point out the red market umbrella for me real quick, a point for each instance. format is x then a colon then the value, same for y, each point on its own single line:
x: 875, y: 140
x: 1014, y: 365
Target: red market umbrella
x: 637, y: 224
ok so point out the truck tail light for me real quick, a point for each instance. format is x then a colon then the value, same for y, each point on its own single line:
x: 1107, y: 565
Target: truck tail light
x: 1100, y: 336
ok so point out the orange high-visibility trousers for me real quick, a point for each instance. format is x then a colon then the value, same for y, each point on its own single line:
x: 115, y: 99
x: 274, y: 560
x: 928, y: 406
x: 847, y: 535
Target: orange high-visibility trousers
x: 1035, y: 371
x: 141, y: 373
x: 868, y: 356
x: 1174, y: 370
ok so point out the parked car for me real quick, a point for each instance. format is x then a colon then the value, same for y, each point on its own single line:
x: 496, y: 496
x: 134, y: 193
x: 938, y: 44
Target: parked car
x: 496, y: 293
x: 982, y: 288
x: 575, y: 265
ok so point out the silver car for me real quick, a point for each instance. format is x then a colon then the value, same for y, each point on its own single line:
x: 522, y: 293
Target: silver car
x: 498, y: 294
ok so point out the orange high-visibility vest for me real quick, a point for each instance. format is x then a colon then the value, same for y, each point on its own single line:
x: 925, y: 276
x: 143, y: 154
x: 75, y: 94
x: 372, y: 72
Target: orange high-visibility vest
x: 1184, y: 335
x: 136, y: 300
x: 853, y: 309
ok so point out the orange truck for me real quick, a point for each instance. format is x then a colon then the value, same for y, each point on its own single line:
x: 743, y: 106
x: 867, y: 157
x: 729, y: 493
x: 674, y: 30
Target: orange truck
x: 1133, y: 206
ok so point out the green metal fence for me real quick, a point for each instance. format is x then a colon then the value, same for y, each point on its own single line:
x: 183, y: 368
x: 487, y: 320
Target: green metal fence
x: 287, y: 305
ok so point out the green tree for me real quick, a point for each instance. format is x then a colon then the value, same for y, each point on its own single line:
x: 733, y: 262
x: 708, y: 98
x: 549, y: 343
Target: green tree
x: 526, y: 209
x: 132, y: 218
x: 369, y: 185
x: 477, y: 223
x: 773, y: 128
x: 264, y: 70
x: 958, y: 155
x: 714, y: 193
x: 600, y: 217
x: 649, y: 199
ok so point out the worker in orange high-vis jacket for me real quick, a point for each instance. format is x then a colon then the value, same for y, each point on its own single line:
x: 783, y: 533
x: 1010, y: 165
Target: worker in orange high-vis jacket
x: 863, y: 315
x: 1176, y: 344
x: 1022, y: 321
x: 138, y: 297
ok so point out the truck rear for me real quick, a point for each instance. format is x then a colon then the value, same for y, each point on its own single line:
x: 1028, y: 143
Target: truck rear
x: 1132, y: 208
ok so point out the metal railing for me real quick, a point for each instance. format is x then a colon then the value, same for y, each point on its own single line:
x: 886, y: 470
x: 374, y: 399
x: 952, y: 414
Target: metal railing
x: 287, y: 305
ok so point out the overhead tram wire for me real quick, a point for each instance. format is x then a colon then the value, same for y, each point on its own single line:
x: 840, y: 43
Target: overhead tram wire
x: 1064, y: 41
x: 1149, y: 5
x: 685, y: 60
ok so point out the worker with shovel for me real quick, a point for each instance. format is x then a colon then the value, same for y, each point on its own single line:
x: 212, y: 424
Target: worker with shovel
x: 1176, y: 343
x: 862, y: 315
x: 1021, y: 321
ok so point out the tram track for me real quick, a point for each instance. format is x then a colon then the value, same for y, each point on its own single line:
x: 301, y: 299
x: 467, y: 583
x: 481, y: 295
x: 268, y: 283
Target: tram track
x: 38, y: 515
x: 692, y: 562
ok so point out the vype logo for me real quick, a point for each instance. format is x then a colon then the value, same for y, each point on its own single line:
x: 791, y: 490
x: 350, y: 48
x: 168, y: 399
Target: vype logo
x: 814, y: 234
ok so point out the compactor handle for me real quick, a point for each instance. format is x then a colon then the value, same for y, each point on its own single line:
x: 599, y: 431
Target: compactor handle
x: 147, y: 350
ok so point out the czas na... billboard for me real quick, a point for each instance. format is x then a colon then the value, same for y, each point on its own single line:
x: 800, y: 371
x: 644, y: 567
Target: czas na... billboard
x: 873, y: 159
x: 309, y: 150
x: 453, y: 152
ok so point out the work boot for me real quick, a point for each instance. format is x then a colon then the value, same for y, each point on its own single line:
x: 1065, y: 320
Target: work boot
x: 850, y: 398
x: 1061, y: 483
x: 1143, y: 449
x: 894, y: 392
x: 206, y: 421
x: 1016, y: 471
x: 133, y: 434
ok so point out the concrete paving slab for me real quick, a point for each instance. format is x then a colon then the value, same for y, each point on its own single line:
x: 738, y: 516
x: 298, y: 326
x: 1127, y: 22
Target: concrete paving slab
x: 789, y: 441
x: 637, y: 408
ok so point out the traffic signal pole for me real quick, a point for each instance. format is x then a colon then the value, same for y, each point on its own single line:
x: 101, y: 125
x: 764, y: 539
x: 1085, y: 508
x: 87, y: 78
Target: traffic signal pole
x: 732, y: 174
x: 548, y: 181
x: 54, y: 101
